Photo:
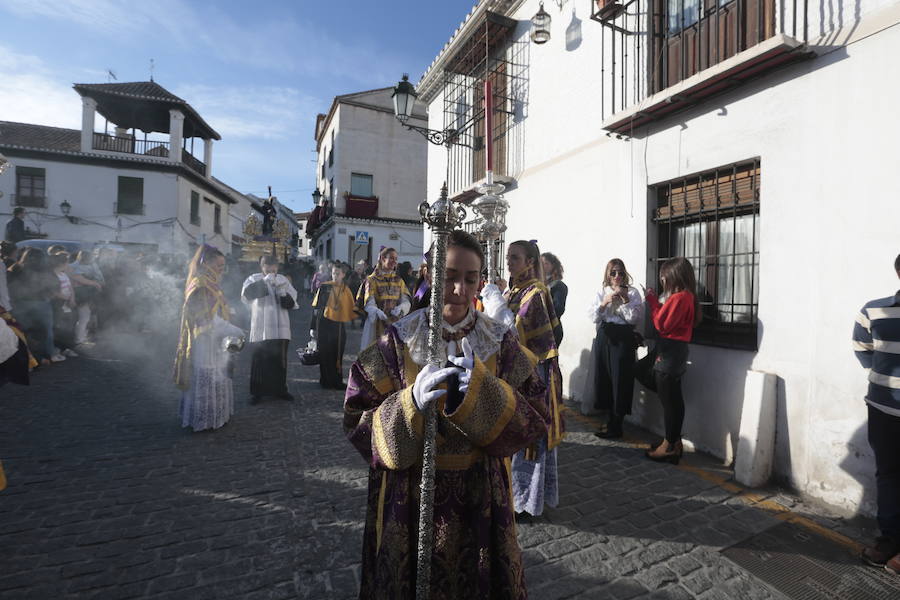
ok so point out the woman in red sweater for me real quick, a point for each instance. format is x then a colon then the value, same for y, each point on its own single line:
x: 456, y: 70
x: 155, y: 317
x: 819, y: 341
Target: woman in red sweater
x: 674, y: 319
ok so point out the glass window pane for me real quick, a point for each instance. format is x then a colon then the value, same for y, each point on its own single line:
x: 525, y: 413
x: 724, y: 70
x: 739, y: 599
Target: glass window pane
x: 682, y: 14
x: 361, y: 185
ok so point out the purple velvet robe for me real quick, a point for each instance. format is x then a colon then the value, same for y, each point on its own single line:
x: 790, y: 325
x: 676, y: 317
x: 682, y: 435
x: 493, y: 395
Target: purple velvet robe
x: 476, y: 553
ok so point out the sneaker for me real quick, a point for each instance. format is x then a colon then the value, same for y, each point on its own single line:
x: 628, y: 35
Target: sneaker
x: 57, y: 358
x: 884, y: 550
x: 70, y: 353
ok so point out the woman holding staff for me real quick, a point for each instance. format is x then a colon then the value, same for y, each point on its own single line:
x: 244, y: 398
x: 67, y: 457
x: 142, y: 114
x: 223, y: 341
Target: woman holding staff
x: 384, y: 297
x: 489, y: 404
x: 527, y: 307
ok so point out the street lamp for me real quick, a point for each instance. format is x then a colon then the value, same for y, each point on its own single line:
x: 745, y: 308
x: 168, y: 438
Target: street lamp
x: 404, y: 97
x: 65, y: 208
x: 540, y: 26
x: 316, y: 196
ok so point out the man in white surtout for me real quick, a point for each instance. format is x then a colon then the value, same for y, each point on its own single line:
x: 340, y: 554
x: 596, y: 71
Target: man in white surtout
x: 269, y: 296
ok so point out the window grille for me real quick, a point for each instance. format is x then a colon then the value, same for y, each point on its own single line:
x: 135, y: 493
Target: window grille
x: 712, y: 219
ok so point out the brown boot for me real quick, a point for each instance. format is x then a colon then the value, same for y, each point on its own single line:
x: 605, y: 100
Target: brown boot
x: 666, y: 452
x: 893, y: 565
x: 883, y: 551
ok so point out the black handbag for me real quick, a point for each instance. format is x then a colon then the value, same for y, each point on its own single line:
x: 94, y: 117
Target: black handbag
x: 286, y: 302
x: 309, y: 356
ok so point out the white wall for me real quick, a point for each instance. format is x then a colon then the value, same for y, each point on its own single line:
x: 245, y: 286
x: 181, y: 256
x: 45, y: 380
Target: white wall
x: 829, y: 234
x: 408, y: 242
x: 92, y: 192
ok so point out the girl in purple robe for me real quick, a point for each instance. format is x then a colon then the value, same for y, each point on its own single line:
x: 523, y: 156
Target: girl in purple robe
x: 489, y: 406
x: 527, y: 308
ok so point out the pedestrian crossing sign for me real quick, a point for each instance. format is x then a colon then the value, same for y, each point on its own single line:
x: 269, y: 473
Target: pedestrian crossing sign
x: 362, y: 238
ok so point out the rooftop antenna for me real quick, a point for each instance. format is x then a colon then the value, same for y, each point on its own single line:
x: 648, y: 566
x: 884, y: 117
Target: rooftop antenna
x: 110, y: 76
x: 152, y: 67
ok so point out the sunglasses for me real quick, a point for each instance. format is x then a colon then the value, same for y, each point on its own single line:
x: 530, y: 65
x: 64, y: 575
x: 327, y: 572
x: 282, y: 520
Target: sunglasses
x: 616, y: 273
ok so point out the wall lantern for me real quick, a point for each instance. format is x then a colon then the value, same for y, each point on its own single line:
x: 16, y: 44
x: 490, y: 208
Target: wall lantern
x: 540, y: 26
x: 404, y: 97
x: 4, y: 164
x: 316, y: 196
x: 65, y: 208
x: 609, y: 9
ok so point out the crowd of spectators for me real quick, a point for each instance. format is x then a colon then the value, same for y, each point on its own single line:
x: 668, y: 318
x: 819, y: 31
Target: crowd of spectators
x: 62, y: 300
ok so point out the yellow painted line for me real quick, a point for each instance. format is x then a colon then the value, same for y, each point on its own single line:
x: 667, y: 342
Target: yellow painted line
x: 751, y: 498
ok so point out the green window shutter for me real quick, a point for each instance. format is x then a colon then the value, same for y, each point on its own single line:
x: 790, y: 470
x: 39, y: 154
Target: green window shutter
x: 131, y: 196
x: 195, y: 208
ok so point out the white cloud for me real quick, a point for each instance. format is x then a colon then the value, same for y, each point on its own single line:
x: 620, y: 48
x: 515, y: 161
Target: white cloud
x: 264, y: 112
x: 31, y: 93
x: 285, y: 45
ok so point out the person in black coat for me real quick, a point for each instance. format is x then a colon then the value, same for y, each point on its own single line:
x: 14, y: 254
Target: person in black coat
x: 553, y: 274
x: 15, y: 228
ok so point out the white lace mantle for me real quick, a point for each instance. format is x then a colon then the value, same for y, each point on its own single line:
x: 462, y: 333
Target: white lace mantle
x: 484, y: 338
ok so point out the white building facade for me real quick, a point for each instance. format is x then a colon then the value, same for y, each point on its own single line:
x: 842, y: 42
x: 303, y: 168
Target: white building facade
x: 760, y: 152
x: 371, y: 174
x: 123, y: 187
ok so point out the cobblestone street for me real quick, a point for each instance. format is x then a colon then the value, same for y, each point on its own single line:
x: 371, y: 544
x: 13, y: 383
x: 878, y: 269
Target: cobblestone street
x: 110, y: 498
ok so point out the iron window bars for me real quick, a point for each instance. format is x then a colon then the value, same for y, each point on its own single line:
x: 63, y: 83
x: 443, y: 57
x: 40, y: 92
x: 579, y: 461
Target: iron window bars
x: 712, y: 219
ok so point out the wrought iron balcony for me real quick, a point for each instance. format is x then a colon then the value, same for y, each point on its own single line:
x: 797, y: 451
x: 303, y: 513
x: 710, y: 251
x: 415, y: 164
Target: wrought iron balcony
x: 359, y: 206
x: 664, y: 55
x: 151, y: 148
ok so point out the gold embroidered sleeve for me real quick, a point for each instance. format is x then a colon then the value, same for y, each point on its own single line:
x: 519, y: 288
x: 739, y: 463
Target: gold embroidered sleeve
x: 495, y: 416
x: 379, y: 420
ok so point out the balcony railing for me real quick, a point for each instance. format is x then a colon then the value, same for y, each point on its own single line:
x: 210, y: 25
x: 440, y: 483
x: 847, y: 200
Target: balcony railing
x: 359, y: 206
x: 153, y: 148
x: 197, y: 165
x: 659, y: 45
x: 27, y: 201
x: 130, y: 145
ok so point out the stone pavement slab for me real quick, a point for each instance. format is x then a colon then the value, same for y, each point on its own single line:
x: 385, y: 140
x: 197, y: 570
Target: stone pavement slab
x: 109, y: 497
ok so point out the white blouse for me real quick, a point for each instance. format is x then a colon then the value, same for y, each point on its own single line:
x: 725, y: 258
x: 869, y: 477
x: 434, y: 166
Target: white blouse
x: 627, y: 313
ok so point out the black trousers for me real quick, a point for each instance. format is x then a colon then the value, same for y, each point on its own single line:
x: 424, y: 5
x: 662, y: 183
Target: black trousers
x: 884, y: 437
x: 614, y: 372
x: 332, y: 338
x: 668, y: 388
x: 268, y: 368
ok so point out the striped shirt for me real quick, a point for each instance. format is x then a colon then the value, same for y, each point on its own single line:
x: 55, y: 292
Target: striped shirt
x: 876, y: 341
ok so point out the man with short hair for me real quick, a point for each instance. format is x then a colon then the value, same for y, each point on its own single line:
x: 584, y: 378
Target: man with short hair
x: 15, y: 228
x: 876, y: 341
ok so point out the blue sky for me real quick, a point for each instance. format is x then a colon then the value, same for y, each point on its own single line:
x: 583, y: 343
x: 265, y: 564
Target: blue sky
x: 258, y: 72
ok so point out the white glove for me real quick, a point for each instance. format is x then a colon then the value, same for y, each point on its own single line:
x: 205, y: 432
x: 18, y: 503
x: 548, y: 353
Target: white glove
x: 429, y: 378
x: 495, y: 306
x: 466, y: 362
x: 312, y: 334
x: 397, y: 311
x: 381, y: 314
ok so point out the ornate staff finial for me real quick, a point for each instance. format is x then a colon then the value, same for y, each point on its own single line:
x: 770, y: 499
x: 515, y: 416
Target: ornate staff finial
x: 442, y: 217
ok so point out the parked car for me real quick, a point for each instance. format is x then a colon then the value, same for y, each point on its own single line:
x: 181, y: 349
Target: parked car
x: 71, y: 247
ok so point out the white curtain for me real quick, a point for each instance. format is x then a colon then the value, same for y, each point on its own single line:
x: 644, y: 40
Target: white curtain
x: 737, y: 277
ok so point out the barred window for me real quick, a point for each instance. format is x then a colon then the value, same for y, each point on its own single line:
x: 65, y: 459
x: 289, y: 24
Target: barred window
x: 712, y: 219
